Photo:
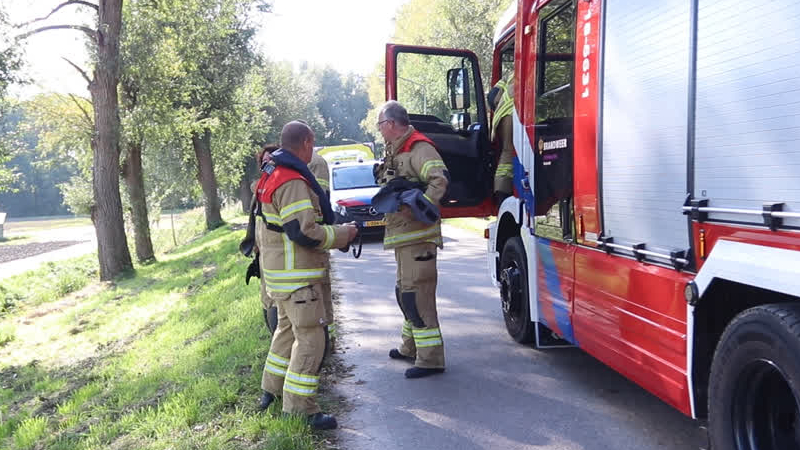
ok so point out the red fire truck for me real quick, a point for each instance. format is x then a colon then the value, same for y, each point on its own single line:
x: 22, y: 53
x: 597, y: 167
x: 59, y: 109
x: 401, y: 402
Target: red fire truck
x: 656, y: 211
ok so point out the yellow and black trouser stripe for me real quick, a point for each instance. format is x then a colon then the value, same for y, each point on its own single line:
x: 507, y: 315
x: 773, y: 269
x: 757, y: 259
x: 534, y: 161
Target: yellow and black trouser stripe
x: 407, y: 330
x: 276, y: 365
x: 504, y: 171
x: 302, y: 384
x: 401, y: 238
x: 427, y: 337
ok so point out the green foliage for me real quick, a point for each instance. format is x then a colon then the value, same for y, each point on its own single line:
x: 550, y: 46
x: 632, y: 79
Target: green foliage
x: 29, y: 432
x: 469, y: 24
x: 343, y: 104
x: 50, y: 136
x: 10, y: 56
x: 51, y: 281
x: 7, y: 334
x: 8, y: 299
x: 186, y: 70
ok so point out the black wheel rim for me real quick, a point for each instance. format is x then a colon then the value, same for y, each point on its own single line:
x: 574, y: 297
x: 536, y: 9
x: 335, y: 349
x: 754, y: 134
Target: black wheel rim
x: 765, y: 409
x: 511, y: 295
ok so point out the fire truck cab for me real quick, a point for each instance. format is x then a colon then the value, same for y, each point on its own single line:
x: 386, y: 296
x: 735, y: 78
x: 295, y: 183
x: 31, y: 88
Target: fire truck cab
x: 655, y: 221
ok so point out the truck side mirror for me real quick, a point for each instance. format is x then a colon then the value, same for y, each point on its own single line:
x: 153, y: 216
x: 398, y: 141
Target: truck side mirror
x: 458, y: 88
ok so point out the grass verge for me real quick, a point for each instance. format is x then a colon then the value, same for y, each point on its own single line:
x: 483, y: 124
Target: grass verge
x: 45, y: 223
x: 472, y: 224
x: 170, y: 358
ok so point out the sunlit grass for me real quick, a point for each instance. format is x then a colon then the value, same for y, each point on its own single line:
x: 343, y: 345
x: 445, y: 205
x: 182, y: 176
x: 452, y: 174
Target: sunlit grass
x: 14, y: 240
x: 44, y: 223
x: 474, y: 225
x: 170, y: 358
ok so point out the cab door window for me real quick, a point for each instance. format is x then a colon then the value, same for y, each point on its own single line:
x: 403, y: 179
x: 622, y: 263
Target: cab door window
x: 422, y: 90
x: 554, y: 121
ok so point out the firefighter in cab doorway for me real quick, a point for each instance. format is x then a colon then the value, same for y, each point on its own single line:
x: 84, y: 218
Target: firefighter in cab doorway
x: 501, y: 100
x: 293, y: 254
x: 412, y: 156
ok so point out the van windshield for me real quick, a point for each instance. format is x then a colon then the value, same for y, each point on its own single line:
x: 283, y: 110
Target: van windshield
x: 353, y: 177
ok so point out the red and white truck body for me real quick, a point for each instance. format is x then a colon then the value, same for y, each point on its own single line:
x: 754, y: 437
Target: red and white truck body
x: 655, y: 221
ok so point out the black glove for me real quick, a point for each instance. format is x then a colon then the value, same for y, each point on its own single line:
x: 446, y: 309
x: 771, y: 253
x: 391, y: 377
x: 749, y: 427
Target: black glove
x: 253, y: 270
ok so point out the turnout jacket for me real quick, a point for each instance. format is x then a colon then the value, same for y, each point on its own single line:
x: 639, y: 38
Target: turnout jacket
x: 319, y: 167
x: 413, y: 157
x: 294, y: 244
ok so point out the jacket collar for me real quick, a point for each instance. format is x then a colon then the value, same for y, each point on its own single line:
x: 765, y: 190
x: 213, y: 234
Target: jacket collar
x: 397, y: 144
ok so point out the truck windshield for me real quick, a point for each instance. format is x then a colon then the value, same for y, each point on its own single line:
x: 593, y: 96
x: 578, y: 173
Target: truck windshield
x: 353, y: 177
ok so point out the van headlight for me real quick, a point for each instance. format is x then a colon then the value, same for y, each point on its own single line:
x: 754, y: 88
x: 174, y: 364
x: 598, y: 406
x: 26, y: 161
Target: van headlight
x: 339, y: 209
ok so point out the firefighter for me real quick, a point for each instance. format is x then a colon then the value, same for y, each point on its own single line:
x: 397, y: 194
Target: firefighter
x: 411, y: 155
x: 501, y: 100
x: 270, y: 310
x: 293, y: 250
x: 319, y: 167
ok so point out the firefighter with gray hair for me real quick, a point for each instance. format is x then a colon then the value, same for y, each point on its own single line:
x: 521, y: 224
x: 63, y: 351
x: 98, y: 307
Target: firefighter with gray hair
x: 412, y: 157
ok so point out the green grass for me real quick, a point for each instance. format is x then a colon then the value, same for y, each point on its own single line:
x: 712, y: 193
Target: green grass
x: 170, y: 358
x: 44, y: 223
x: 15, y: 240
x: 50, y: 281
x: 474, y: 225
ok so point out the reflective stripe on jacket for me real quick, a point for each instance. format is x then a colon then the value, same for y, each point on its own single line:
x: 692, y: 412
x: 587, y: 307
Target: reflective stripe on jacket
x: 296, y: 257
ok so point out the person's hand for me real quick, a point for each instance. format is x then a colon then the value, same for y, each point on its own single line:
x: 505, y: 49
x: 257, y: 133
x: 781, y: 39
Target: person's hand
x: 265, y: 158
x: 352, y: 231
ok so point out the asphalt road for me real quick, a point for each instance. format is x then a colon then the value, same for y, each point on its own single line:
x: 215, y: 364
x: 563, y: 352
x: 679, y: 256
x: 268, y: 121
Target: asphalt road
x: 495, y: 394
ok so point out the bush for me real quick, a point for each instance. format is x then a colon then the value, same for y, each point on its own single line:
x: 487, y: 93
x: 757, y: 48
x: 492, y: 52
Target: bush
x: 8, y: 300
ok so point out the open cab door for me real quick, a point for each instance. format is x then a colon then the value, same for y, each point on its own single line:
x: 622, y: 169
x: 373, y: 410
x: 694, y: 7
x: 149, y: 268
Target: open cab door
x: 443, y: 93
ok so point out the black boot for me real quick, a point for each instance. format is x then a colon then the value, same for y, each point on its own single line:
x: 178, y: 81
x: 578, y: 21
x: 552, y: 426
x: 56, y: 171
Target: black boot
x: 419, y: 372
x: 395, y: 354
x: 321, y: 421
x: 265, y: 401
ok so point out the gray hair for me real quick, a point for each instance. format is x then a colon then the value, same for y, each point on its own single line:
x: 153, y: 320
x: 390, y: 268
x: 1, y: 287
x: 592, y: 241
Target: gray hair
x: 393, y: 110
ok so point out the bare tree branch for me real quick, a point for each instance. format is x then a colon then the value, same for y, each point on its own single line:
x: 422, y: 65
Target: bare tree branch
x: 67, y: 3
x: 90, y: 32
x: 85, y: 113
x: 83, y: 73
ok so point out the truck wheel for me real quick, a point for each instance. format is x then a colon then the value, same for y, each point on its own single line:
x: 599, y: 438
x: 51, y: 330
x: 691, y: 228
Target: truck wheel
x: 754, y: 389
x: 514, y: 291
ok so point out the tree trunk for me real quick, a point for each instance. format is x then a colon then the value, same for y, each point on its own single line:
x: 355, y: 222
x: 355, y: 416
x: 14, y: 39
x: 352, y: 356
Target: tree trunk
x: 112, y: 245
x: 245, y: 195
x: 134, y: 179
x: 250, y: 174
x: 205, y: 174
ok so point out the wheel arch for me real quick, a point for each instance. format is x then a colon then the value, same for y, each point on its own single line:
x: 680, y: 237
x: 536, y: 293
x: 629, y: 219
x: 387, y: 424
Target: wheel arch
x: 508, y: 225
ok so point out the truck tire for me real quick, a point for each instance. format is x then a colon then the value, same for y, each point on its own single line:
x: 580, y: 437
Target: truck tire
x: 514, y: 291
x: 754, y: 388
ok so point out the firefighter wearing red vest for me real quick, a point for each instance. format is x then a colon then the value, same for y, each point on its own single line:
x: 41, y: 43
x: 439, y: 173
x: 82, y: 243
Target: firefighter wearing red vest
x: 293, y: 254
x: 319, y: 168
x: 501, y: 100
x: 411, y: 155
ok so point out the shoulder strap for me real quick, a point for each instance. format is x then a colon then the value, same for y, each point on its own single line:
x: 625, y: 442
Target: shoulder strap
x: 415, y: 137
